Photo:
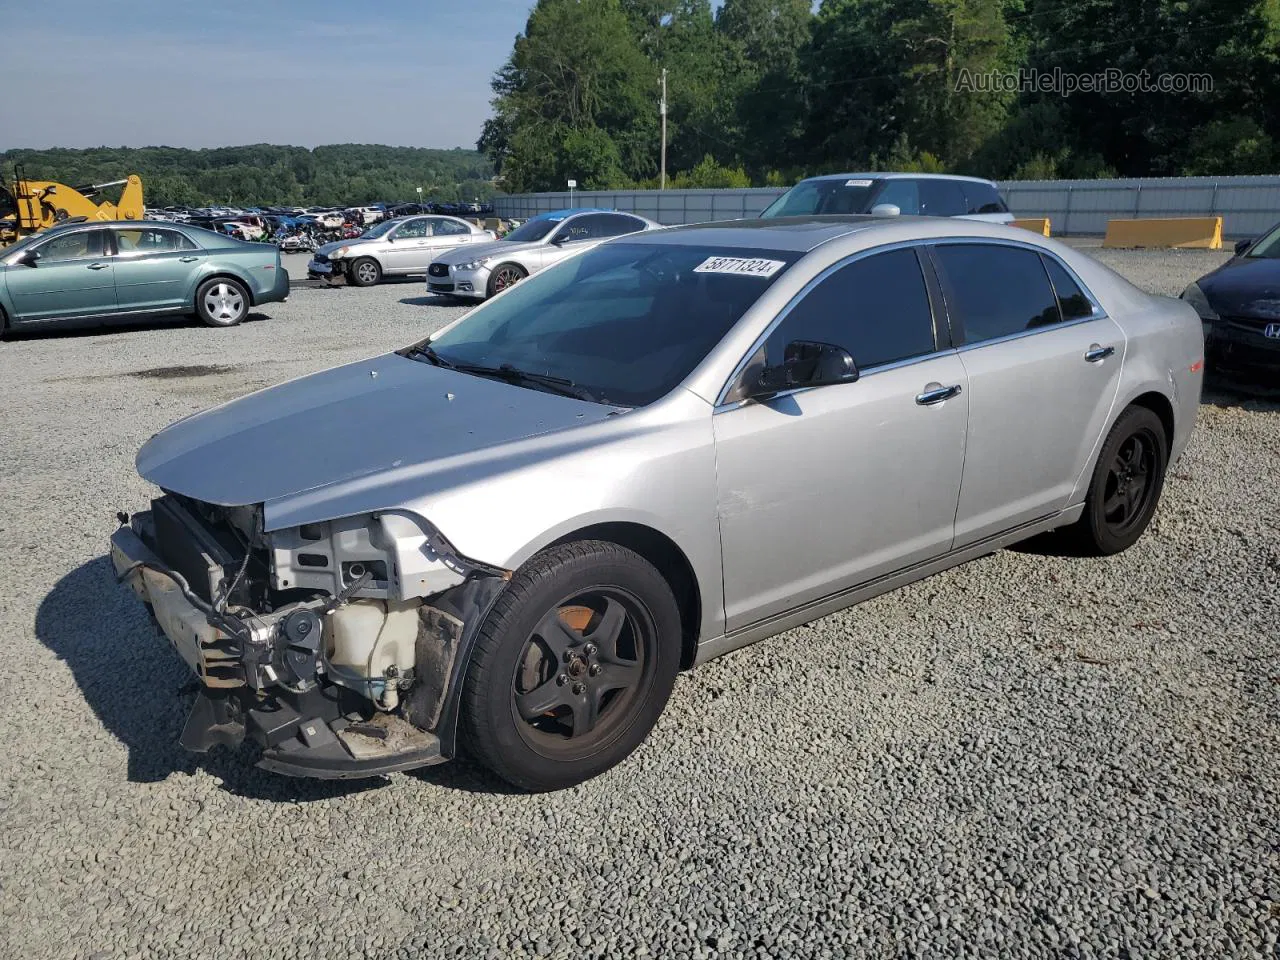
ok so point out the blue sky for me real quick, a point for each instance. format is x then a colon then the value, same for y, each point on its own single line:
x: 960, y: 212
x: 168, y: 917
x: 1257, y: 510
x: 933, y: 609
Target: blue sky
x: 83, y: 73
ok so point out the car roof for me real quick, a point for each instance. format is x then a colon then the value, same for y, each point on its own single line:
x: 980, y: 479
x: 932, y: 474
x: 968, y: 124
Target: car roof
x: 891, y: 175
x: 806, y: 233
x: 571, y: 212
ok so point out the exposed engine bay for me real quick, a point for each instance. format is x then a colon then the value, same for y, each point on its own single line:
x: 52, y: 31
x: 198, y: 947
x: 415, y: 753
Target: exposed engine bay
x: 337, y: 646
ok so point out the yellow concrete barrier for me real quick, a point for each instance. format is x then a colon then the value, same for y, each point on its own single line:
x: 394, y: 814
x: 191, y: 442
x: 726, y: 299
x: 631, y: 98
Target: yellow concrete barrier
x: 1184, y: 233
x: 1037, y: 225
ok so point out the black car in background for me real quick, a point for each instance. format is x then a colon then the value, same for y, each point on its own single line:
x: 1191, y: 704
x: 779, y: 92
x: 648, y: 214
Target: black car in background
x: 1239, y: 305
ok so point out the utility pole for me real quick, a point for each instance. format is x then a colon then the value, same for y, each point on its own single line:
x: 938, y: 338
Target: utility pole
x: 663, y: 109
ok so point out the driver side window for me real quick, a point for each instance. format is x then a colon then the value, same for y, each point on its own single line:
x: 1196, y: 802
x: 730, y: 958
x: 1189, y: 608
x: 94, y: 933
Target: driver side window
x: 72, y: 246
x: 413, y: 230
x: 877, y: 308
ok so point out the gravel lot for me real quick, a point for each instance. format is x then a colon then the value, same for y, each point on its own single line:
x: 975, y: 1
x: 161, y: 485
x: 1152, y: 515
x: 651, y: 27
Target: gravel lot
x: 1032, y: 755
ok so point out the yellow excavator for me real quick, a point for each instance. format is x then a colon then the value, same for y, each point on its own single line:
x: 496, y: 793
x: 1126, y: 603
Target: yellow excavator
x: 29, y: 206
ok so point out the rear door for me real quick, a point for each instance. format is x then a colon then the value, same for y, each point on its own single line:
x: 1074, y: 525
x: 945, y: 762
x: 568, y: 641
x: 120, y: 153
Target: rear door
x: 71, y: 278
x: 1043, y: 365
x: 153, y: 268
x: 447, y: 233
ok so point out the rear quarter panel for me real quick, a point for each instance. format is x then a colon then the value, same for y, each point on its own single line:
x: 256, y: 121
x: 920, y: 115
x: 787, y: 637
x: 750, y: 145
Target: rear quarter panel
x: 257, y: 265
x: 1164, y: 352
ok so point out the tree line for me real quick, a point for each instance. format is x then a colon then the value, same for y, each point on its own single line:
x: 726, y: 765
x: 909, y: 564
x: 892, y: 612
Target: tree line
x: 263, y: 174
x: 762, y: 92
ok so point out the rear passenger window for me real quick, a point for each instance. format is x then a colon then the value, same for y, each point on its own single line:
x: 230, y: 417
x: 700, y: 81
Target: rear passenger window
x: 983, y: 198
x: 995, y: 291
x: 941, y: 198
x: 877, y: 308
x: 1071, y: 299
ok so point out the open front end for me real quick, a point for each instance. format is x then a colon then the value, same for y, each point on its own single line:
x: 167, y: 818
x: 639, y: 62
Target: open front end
x: 335, y: 645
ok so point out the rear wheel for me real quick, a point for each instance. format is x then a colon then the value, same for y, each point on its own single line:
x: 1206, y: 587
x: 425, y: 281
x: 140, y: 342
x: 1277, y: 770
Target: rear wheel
x: 573, y: 666
x: 365, y: 272
x: 504, y: 275
x: 222, y: 302
x: 1126, y: 484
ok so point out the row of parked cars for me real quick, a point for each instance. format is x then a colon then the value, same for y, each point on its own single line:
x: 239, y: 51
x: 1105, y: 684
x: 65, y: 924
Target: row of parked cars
x: 76, y: 273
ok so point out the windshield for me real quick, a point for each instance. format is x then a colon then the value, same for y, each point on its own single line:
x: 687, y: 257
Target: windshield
x: 809, y: 197
x: 532, y: 230
x: 381, y: 229
x: 624, y: 322
x: 1268, y: 247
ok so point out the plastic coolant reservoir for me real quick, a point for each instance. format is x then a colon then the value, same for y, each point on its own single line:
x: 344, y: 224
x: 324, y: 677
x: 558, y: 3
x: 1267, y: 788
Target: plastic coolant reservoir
x: 368, y: 636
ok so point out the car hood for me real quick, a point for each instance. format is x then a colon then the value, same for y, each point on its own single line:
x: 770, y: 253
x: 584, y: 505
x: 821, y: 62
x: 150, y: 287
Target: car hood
x: 328, y: 248
x: 383, y: 422
x: 494, y: 248
x: 1245, y: 287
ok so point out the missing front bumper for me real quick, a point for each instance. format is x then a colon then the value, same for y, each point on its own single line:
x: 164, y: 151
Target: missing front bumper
x: 324, y: 731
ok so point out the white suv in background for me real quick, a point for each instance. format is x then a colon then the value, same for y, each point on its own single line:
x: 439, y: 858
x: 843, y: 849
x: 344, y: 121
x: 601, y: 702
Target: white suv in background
x: 891, y: 195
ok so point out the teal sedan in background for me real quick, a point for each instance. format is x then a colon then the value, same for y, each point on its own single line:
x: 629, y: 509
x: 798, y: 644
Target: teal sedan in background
x: 97, y: 273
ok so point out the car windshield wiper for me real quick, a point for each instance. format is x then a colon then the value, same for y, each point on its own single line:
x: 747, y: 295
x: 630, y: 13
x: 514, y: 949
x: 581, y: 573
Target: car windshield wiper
x: 553, y: 384
x: 426, y: 351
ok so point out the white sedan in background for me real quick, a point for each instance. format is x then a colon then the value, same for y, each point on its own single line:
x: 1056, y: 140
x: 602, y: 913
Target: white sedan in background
x: 400, y: 247
x: 481, y: 271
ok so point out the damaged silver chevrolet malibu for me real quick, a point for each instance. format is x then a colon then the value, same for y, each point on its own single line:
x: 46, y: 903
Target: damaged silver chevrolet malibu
x: 508, y: 539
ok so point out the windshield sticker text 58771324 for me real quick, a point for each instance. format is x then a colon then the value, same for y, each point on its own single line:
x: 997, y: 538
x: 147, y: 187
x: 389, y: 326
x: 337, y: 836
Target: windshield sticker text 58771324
x: 741, y: 266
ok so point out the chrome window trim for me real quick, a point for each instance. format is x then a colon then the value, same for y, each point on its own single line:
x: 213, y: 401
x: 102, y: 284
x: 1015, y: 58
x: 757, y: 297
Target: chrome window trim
x: 804, y: 291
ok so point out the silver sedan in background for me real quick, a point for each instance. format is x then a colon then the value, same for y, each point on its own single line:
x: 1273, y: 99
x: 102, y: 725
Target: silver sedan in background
x: 512, y: 535
x: 481, y: 271
x: 401, y: 247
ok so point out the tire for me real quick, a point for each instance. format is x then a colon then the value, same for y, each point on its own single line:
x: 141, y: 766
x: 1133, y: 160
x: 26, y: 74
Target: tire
x: 572, y: 667
x: 504, y: 275
x: 222, y: 302
x: 1126, y: 484
x: 364, y: 272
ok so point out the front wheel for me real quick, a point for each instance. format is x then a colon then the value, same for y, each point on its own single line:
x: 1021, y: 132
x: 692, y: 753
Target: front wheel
x: 572, y: 667
x: 222, y: 302
x: 365, y: 272
x: 1126, y: 484
x: 505, y: 275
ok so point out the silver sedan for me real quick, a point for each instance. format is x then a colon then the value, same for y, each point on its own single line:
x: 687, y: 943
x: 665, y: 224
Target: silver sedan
x: 511, y: 536
x: 401, y: 247
x: 481, y: 271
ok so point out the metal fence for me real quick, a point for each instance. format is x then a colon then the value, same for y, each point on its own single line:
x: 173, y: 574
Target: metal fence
x: 1248, y: 205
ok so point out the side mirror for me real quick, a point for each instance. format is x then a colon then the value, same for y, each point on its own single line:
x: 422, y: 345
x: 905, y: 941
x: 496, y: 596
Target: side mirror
x: 1242, y: 246
x: 560, y: 239
x: 805, y: 363
x: 29, y: 258
x: 886, y: 210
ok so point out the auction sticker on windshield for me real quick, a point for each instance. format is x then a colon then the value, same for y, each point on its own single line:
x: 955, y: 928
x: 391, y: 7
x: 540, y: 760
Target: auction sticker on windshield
x: 742, y: 266
x: 857, y: 183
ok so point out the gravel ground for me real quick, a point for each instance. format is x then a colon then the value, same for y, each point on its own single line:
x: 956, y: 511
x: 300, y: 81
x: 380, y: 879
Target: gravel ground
x: 1032, y: 755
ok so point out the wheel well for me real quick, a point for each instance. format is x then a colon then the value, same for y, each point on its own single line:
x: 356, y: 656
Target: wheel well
x: 1158, y: 404
x: 248, y: 287
x: 661, y: 551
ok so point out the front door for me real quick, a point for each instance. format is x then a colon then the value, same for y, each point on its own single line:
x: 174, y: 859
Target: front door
x: 410, y: 248
x: 71, y: 278
x: 153, y: 268
x: 1043, y: 364
x: 826, y: 488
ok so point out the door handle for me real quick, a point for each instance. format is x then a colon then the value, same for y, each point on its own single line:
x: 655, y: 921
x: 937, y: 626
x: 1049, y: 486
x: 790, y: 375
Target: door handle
x: 98, y: 266
x: 1097, y: 353
x: 188, y: 259
x: 937, y: 393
